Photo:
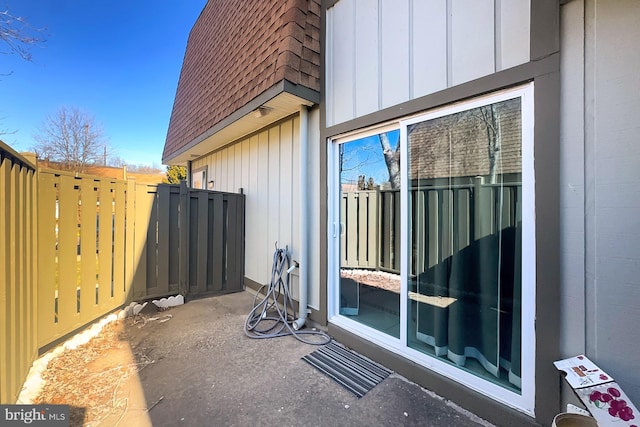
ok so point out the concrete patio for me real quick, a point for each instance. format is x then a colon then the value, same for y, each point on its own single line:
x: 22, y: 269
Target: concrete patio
x: 205, y: 371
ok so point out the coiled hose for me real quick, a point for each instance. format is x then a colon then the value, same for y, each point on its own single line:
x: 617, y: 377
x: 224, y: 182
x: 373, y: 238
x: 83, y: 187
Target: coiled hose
x: 267, y: 319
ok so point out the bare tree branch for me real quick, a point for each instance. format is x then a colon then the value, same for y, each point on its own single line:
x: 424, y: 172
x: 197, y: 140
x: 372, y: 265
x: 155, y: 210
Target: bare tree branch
x: 17, y: 35
x: 5, y: 131
x: 356, y: 160
x: 71, y: 137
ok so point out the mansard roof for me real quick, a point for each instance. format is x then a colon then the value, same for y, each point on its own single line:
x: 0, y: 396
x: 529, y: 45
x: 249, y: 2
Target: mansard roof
x: 239, y: 52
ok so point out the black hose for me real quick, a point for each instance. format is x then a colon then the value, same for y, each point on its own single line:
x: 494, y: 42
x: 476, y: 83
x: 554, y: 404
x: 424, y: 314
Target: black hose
x: 267, y: 318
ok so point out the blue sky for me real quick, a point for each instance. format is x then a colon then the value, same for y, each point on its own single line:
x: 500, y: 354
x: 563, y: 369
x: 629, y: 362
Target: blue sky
x: 117, y: 61
x: 364, y: 157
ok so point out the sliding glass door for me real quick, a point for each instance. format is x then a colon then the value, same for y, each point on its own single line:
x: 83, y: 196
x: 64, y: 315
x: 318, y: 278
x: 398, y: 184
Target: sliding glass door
x: 464, y: 227
x: 433, y: 249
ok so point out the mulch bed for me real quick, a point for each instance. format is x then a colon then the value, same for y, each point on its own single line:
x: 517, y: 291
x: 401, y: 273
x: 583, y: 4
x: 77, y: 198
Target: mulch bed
x: 92, y: 378
x: 377, y: 279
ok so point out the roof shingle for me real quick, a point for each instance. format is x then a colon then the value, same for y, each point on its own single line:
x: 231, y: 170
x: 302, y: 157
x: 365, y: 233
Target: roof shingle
x: 237, y: 49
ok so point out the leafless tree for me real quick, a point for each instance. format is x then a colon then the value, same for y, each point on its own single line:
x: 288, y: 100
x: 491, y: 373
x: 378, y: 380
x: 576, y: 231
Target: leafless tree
x: 117, y: 162
x: 365, y: 184
x: 490, y: 117
x: 145, y: 169
x: 73, y: 138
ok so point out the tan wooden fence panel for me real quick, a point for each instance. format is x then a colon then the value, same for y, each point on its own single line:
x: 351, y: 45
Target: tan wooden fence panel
x: 370, y: 229
x: 130, y: 260
x: 18, y: 272
x: 140, y: 219
x: 119, y: 240
x: 81, y: 246
x: 445, y: 219
x: 360, y: 237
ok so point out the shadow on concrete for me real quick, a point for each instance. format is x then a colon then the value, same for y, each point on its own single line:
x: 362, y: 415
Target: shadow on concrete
x: 205, y: 371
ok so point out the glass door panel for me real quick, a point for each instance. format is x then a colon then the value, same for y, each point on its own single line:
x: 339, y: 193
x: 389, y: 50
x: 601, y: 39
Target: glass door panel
x: 370, y: 231
x: 464, y: 236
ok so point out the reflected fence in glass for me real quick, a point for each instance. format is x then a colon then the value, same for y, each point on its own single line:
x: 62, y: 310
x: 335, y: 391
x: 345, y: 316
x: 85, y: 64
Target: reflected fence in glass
x: 370, y: 232
x: 465, y: 227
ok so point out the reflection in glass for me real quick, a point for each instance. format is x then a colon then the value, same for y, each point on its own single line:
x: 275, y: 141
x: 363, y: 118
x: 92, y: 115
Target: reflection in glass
x: 465, y: 222
x: 370, y: 231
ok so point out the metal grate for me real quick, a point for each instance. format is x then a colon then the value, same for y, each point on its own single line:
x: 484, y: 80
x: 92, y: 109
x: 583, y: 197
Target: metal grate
x: 350, y: 370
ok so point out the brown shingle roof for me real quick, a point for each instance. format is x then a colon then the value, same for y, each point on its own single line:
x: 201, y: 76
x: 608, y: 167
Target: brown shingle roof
x: 457, y: 145
x: 237, y: 50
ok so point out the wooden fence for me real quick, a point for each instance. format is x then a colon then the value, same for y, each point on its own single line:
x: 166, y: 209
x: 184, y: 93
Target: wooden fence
x: 215, y: 257
x: 75, y: 247
x: 204, y: 257
x: 104, y: 242
x: 445, y: 219
x: 370, y: 229
x: 81, y: 250
x: 18, y: 271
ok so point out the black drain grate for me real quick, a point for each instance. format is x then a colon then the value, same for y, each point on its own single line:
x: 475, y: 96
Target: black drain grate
x: 353, y: 372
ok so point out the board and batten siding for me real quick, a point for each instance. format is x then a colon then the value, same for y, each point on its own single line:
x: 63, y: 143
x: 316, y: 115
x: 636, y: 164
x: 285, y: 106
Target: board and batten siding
x: 382, y: 53
x: 600, y: 196
x: 266, y: 165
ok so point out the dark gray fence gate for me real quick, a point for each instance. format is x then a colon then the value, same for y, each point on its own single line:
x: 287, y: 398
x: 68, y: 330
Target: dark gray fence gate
x: 195, y: 242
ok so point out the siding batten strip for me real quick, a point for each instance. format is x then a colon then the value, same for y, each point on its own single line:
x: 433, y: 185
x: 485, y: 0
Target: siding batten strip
x: 354, y: 69
x: 380, y: 76
x: 410, y: 60
x: 449, y: 44
x: 497, y: 35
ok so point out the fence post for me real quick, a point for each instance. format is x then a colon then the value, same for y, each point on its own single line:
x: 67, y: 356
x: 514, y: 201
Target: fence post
x: 183, y: 227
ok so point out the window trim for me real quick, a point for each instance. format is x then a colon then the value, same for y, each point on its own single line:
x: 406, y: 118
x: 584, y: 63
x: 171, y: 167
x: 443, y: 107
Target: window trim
x: 205, y: 171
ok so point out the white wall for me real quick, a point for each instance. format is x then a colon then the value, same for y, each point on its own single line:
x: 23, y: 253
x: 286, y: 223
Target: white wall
x: 600, y: 163
x: 267, y: 167
x: 382, y: 53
